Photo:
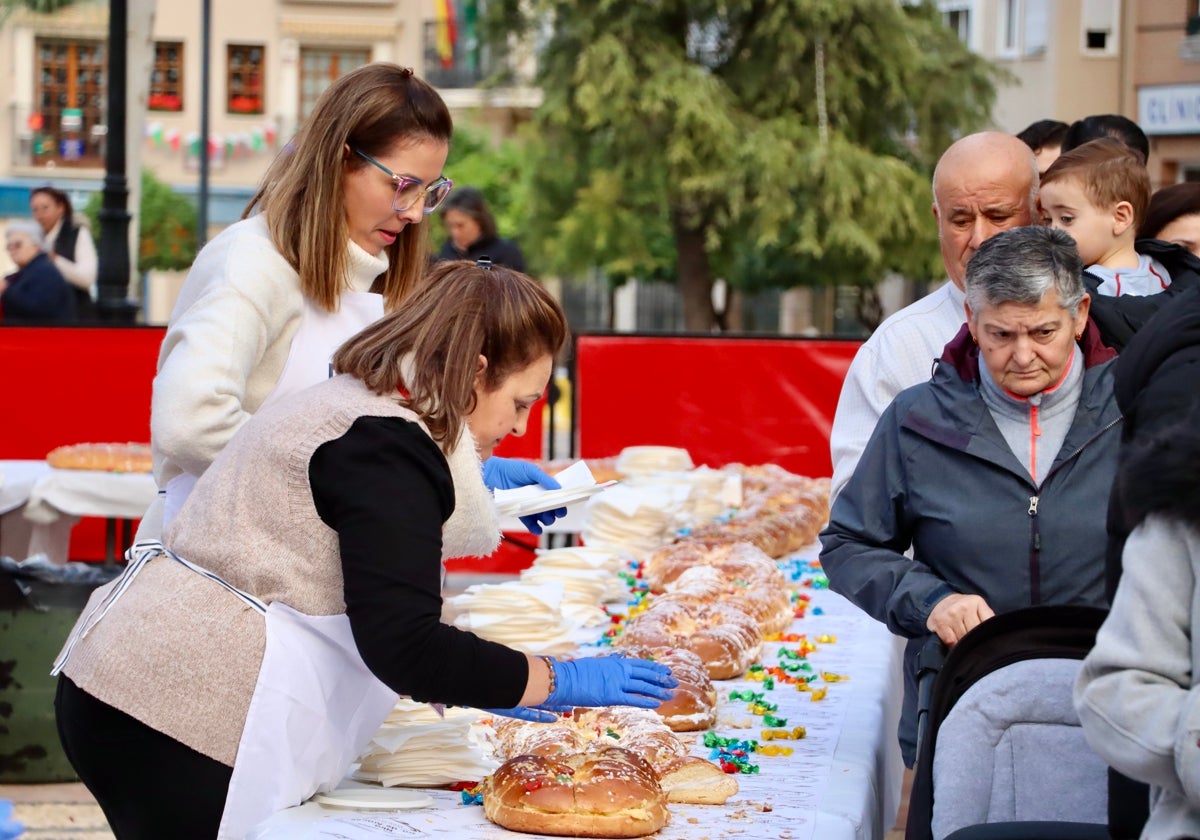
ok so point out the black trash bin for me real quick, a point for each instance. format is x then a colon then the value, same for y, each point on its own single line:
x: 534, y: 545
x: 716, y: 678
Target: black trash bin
x: 39, y: 604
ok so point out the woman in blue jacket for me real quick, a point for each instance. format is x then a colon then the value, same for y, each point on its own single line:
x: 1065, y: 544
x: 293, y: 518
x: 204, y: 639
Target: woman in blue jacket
x: 996, y: 472
x: 36, y: 293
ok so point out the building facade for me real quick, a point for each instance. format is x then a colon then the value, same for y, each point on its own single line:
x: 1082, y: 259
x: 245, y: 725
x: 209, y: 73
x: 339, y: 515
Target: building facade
x: 268, y: 60
x: 1068, y: 59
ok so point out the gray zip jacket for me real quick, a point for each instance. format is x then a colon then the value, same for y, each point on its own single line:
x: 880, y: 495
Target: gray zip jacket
x: 938, y: 476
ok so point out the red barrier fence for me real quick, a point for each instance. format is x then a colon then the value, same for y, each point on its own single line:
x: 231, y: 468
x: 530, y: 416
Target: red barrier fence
x: 64, y: 385
x: 753, y: 400
x: 724, y: 399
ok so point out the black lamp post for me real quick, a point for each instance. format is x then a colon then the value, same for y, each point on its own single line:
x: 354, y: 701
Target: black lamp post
x: 113, y: 281
x: 202, y: 194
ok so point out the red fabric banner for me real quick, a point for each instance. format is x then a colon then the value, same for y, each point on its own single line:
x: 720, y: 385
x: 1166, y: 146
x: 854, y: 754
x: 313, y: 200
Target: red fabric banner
x: 724, y: 399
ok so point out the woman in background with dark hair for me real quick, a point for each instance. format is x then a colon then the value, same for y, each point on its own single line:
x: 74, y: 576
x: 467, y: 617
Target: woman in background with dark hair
x: 69, y: 243
x: 1174, y: 216
x: 472, y: 232
x: 1045, y: 138
x: 1116, y: 126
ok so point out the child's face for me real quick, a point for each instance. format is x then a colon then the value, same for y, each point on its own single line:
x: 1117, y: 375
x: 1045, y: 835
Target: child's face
x: 1065, y: 206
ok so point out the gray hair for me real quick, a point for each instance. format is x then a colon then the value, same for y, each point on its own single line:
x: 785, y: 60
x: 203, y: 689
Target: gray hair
x: 1022, y: 264
x: 31, y: 229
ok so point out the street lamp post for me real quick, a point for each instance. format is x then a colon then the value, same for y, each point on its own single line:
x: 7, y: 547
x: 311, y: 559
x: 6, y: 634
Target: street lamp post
x: 113, y: 281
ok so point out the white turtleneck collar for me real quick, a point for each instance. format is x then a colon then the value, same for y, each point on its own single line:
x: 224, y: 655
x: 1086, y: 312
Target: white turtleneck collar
x: 362, y: 268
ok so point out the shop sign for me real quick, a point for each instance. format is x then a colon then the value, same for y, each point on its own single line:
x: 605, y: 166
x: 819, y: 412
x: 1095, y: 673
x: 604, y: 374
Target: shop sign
x: 1169, y: 109
x: 72, y: 119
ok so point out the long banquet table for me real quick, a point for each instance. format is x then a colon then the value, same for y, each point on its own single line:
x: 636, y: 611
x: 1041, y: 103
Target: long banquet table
x: 841, y: 783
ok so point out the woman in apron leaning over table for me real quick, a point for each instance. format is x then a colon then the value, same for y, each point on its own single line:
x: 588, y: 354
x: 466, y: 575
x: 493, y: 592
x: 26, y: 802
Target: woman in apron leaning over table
x: 246, y: 661
x: 329, y: 242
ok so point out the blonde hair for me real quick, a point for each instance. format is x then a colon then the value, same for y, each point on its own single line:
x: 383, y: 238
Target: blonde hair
x: 372, y: 108
x: 430, y: 347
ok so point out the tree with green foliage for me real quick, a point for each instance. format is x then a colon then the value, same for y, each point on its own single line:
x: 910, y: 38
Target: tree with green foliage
x: 498, y: 170
x: 769, y: 142
x: 166, y: 229
x: 7, y: 7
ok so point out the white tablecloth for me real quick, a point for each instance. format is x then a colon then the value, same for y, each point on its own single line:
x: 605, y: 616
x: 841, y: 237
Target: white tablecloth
x: 40, y: 505
x: 16, y: 482
x: 842, y: 782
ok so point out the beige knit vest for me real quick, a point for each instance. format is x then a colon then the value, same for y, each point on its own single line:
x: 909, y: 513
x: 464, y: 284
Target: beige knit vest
x: 265, y: 469
x: 182, y: 655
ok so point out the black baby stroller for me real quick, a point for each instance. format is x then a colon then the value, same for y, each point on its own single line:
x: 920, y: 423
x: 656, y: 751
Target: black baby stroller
x: 1001, y: 753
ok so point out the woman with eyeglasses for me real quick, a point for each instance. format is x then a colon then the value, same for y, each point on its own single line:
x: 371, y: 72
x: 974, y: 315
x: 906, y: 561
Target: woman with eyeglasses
x: 329, y: 243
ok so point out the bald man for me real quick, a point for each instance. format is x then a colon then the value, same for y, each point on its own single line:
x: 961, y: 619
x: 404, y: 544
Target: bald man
x: 983, y: 184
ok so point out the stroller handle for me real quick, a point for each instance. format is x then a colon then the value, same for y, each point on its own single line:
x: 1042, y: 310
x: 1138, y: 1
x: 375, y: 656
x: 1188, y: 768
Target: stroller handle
x: 930, y: 660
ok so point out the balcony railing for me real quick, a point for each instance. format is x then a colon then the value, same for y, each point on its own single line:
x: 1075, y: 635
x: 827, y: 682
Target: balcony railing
x: 470, y: 65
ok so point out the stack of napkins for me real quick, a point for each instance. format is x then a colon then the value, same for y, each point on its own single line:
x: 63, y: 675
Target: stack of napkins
x: 416, y: 747
x: 710, y: 492
x: 577, y: 565
x: 637, y: 520
x: 588, y: 578
x: 524, y: 616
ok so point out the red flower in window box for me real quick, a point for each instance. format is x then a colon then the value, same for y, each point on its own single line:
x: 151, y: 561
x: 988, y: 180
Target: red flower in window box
x: 164, y: 102
x: 245, y: 105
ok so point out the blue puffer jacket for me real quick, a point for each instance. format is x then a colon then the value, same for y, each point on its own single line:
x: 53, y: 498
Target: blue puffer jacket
x: 38, y: 294
x: 937, y: 476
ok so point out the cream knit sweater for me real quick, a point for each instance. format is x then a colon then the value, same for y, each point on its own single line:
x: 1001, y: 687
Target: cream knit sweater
x: 227, y: 342
x: 180, y: 653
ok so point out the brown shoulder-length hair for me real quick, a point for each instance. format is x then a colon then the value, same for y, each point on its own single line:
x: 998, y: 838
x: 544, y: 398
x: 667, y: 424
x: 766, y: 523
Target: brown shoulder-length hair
x: 430, y: 347
x: 373, y: 108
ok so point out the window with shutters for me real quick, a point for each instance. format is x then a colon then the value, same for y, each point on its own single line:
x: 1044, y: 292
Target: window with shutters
x: 70, y: 89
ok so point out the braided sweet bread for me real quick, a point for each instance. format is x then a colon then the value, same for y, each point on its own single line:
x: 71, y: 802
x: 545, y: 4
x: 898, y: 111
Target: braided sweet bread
x: 605, y: 792
x: 107, y: 457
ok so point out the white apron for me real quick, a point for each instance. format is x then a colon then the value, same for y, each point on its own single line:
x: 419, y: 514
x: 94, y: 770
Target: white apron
x: 310, y: 361
x: 314, y: 709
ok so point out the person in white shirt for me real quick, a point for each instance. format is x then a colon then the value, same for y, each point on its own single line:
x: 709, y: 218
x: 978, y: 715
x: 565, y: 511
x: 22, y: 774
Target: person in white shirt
x: 983, y: 184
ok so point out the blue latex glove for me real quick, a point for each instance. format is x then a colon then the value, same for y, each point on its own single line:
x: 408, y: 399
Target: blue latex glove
x: 610, y: 681
x: 508, y: 473
x: 10, y: 829
x: 518, y: 712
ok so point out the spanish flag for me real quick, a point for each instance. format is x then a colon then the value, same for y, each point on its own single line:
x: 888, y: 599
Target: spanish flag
x: 447, y: 32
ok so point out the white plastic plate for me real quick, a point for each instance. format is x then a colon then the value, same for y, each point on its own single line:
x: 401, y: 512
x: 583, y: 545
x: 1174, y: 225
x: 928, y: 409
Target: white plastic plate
x: 374, y: 799
x: 551, y: 499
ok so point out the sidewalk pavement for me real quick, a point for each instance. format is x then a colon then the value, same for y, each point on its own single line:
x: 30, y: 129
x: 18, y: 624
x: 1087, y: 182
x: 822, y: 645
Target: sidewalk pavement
x: 64, y: 811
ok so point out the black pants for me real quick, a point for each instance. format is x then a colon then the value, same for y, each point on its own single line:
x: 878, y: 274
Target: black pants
x: 149, y: 785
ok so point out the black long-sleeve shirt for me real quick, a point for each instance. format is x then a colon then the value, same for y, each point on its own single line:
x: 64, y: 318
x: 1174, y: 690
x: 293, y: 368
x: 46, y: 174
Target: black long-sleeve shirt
x: 386, y: 489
